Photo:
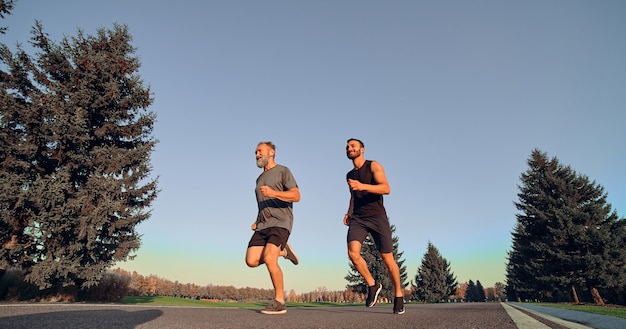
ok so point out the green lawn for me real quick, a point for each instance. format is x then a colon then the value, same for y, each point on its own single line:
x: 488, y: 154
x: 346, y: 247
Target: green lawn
x: 619, y: 312
x: 175, y: 301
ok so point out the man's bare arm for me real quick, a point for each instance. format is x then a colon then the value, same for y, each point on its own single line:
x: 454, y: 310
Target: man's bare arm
x: 381, y: 186
x: 291, y: 195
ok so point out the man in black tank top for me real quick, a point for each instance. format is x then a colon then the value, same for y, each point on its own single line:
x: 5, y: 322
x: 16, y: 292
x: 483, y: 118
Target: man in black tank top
x: 367, y: 215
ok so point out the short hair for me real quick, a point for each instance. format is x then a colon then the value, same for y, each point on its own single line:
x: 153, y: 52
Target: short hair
x: 357, y: 140
x: 268, y: 143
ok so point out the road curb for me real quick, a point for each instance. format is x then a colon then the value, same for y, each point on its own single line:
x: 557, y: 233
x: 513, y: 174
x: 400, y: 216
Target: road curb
x: 557, y: 320
x: 596, y: 321
x: 522, y: 320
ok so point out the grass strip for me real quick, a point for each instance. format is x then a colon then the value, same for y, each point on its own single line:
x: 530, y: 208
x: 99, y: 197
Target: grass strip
x: 616, y: 311
x: 177, y: 301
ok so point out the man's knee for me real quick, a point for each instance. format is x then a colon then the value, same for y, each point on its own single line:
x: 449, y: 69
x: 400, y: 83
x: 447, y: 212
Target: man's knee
x: 252, y: 261
x: 387, y: 257
x: 271, y: 254
x: 354, y: 254
x: 254, y: 256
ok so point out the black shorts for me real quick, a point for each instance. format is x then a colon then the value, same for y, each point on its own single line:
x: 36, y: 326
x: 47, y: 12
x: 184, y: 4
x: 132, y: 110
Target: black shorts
x: 378, y: 227
x: 275, y: 235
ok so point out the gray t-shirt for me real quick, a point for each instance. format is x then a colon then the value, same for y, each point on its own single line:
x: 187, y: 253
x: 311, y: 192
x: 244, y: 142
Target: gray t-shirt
x: 274, y: 212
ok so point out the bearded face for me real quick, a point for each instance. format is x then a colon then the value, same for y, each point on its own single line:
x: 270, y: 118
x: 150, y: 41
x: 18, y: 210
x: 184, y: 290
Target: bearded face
x: 353, y: 151
x: 263, y: 155
x: 262, y: 161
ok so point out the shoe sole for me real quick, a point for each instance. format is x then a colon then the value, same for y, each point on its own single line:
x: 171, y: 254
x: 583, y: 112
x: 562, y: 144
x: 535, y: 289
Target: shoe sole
x: 380, y: 287
x: 291, y: 255
x: 400, y: 312
x: 274, y: 312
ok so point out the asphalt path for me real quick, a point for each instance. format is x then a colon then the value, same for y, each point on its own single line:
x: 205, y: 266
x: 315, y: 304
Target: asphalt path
x: 96, y: 316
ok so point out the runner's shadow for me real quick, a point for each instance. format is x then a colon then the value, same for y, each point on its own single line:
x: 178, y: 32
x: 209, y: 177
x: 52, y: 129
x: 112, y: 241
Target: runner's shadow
x: 343, y: 309
x: 91, y: 319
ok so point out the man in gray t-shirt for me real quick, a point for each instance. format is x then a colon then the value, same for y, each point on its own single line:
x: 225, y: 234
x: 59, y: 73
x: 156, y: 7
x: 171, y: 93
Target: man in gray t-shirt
x: 276, y: 191
x: 274, y: 212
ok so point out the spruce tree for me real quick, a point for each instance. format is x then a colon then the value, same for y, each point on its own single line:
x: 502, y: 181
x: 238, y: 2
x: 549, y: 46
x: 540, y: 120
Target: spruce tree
x: 75, y: 145
x: 563, y: 239
x: 377, y: 268
x: 434, y: 280
x: 451, y: 281
x: 471, y: 293
x: 480, y: 292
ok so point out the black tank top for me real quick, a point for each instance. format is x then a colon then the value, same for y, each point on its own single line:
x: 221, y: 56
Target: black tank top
x: 366, y: 204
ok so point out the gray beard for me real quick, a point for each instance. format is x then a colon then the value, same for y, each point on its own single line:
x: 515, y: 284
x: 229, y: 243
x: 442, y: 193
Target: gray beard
x: 262, y: 162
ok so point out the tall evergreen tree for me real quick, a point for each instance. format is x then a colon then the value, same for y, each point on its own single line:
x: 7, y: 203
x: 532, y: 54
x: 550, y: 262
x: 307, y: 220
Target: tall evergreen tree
x: 377, y: 267
x: 480, y: 292
x: 434, y: 280
x: 563, y: 238
x: 75, y: 145
x: 471, y: 293
x: 451, y: 281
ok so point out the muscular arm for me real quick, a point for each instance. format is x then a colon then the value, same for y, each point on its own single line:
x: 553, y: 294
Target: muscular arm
x: 381, y: 186
x: 291, y: 195
x: 346, y: 217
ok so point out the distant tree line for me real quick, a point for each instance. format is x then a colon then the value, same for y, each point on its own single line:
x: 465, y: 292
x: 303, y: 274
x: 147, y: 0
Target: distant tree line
x: 152, y: 285
x: 118, y: 283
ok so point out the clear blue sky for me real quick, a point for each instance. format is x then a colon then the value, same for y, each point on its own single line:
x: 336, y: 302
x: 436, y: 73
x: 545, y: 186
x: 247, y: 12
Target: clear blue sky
x: 450, y: 97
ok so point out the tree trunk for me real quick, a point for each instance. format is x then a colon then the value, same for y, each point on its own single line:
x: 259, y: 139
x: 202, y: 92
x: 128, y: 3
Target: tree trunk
x: 596, y: 297
x: 575, y: 295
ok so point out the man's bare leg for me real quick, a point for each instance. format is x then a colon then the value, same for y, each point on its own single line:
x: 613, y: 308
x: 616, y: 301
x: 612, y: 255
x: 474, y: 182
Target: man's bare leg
x: 354, y: 253
x: 394, y: 272
x: 270, y: 257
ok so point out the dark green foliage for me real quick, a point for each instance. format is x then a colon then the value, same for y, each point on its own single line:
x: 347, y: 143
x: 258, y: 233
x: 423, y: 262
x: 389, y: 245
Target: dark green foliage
x: 475, y: 292
x: 566, y: 235
x: 111, y: 288
x: 75, y: 145
x: 377, y: 267
x: 434, y: 281
x: 480, y: 292
x: 471, y: 292
x: 451, y: 282
x: 14, y: 288
x: 5, y: 9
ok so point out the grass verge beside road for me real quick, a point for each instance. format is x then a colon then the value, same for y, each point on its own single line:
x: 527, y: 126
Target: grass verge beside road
x: 616, y: 311
x: 176, y: 301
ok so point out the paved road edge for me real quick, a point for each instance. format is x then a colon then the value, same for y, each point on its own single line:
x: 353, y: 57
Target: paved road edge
x: 522, y: 320
x: 565, y: 323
